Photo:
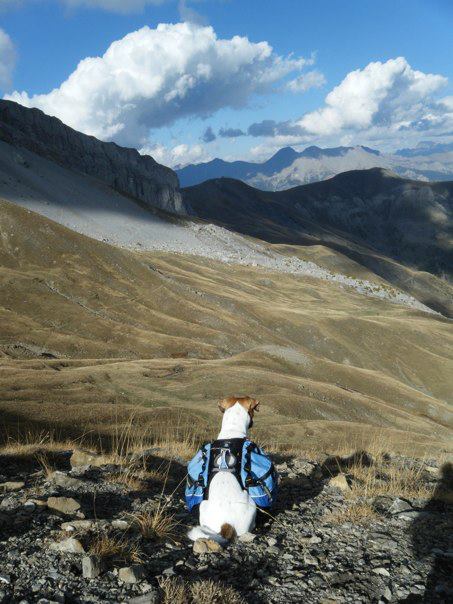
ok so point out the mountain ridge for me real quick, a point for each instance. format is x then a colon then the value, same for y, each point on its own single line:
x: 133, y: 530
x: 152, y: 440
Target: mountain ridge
x: 123, y: 169
x: 372, y: 216
x: 288, y: 168
x: 191, y: 174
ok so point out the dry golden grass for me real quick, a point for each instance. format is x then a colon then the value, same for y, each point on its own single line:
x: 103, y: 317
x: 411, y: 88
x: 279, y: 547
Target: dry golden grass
x: 355, y: 513
x: 176, y: 591
x: 389, y: 479
x: 129, y: 480
x: 42, y: 457
x: 116, y: 547
x: 208, y: 592
x: 156, y: 525
x: 27, y: 443
x: 83, y: 339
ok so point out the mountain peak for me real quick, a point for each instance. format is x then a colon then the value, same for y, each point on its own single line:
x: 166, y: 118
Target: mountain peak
x: 285, y: 152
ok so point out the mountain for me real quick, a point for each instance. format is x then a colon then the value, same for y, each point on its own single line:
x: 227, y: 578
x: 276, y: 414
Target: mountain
x: 289, y: 168
x: 195, y: 173
x: 426, y: 148
x: 371, y: 216
x: 124, y: 170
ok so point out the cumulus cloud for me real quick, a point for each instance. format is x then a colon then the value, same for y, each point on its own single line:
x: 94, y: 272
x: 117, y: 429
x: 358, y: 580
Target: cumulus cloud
x: 381, y: 102
x: 231, y: 132
x: 311, y: 79
x: 390, y: 95
x: 208, y: 135
x: 7, y: 59
x: 152, y: 77
x: 177, y: 156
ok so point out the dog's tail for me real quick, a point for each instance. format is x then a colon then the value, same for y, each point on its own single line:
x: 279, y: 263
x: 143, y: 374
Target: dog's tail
x: 227, y: 533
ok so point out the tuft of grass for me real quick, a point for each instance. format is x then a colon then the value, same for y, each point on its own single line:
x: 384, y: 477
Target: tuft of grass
x: 389, y: 479
x: 209, y: 592
x: 356, y: 513
x: 43, y: 460
x: 157, y: 525
x: 176, y: 591
x: 128, y: 479
x: 31, y: 443
x: 116, y: 547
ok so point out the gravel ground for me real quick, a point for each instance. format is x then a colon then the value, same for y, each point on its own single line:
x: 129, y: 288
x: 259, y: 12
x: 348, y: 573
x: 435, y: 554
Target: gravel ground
x: 302, y: 553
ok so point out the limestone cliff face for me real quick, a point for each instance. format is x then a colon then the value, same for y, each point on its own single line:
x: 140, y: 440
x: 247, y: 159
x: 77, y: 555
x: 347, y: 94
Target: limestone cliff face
x: 125, y: 170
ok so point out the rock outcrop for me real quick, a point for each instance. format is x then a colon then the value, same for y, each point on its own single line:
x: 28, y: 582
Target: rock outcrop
x: 125, y: 170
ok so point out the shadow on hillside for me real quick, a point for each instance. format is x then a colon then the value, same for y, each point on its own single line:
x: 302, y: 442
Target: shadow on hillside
x: 432, y: 537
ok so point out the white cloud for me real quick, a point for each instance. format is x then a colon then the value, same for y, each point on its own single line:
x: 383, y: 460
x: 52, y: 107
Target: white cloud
x: 384, y: 104
x: 311, y: 79
x: 388, y: 95
x: 152, y: 77
x: 177, y: 156
x: 7, y: 59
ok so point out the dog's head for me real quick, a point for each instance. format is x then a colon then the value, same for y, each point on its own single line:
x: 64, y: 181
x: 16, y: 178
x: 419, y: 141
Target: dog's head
x: 250, y: 405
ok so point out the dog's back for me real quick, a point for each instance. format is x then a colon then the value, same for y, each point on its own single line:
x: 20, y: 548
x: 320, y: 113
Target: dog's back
x: 228, y: 510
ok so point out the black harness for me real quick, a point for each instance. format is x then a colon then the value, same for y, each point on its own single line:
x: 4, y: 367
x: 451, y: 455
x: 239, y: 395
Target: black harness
x: 226, y: 456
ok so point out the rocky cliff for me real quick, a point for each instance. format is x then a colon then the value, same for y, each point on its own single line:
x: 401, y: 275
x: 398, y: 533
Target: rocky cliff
x: 125, y: 170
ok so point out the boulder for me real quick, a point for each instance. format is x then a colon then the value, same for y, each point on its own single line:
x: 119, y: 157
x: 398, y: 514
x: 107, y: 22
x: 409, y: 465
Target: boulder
x: 81, y: 457
x: 91, y: 567
x: 78, y: 525
x: 339, y: 482
x: 7, y: 487
x: 206, y: 546
x: 247, y: 537
x: 390, y: 506
x: 70, y: 546
x: 64, y: 505
x: 67, y: 482
x: 131, y: 574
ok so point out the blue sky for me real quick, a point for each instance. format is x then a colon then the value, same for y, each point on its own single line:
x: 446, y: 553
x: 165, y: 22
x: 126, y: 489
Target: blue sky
x: 149, y: 95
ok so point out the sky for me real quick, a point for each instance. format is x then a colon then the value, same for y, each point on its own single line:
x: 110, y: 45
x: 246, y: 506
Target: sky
x: 189, y: 80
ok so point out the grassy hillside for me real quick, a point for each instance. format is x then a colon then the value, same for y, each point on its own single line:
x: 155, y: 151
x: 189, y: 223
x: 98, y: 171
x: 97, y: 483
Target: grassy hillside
x: 396, y: 228
x: 91, y: 333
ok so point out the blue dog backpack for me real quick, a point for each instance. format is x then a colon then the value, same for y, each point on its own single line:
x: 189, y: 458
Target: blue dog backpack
x: 251, y: 466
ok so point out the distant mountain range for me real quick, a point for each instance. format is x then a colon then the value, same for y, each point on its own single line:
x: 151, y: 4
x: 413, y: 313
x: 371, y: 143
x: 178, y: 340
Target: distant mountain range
x: 289, y: 168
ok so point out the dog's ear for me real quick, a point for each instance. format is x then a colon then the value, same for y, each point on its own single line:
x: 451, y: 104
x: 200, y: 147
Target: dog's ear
x: 226, y: 403
x: 253, y: 405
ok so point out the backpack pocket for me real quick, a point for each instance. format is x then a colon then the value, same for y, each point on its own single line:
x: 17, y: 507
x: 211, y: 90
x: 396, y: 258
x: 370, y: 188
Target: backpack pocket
x: 197, y: 477
x: 259, y: 476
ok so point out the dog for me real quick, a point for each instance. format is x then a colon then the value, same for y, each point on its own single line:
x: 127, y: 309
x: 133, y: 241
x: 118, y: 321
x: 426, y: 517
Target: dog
x: 229, y: 510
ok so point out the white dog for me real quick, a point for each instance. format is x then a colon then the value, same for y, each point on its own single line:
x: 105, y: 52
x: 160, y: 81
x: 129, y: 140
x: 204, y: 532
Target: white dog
x: 229, y: 510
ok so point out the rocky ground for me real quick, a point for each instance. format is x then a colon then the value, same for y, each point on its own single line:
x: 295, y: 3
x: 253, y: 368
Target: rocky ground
x: 79, y: 530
